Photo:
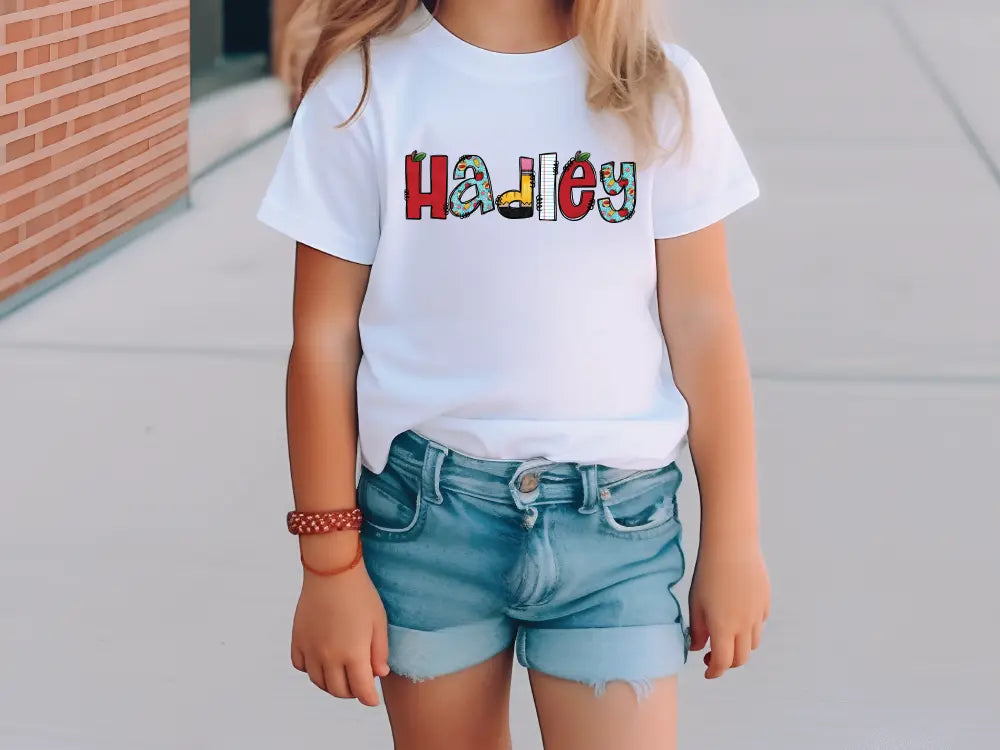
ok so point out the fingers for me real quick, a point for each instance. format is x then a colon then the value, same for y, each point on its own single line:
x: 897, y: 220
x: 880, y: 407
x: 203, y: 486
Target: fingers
x: 298, y: 660
x: 720, y: 658
x: 380, y: 649
x: 336, y: 681
x: 699, y: 629
x: 354, y: 681
x: 730, y: 651
x: 361, y: 682
x: 741, y: 649
x: 314, y: 668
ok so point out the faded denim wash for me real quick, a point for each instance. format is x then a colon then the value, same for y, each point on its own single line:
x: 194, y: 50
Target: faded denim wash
x: 573, y: 564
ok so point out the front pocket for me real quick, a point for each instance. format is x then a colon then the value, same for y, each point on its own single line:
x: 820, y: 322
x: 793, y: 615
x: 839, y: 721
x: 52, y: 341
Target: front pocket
x: 651, y: 511
x: 627, y: 519
x: 390, y: 508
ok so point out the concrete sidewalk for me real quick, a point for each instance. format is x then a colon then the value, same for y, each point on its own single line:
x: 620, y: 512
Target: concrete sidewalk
x: 143, y: 412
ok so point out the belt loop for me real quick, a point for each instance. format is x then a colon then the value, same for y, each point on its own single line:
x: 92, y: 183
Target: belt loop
x: 430, y: 476
x: 588, y: 474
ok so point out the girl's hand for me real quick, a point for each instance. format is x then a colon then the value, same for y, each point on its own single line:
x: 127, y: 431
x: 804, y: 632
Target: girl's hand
x: 729, y: 602
x: 340, y: 636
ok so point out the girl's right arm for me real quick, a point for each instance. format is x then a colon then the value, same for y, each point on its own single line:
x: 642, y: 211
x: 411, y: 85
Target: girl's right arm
x: 339, y: 634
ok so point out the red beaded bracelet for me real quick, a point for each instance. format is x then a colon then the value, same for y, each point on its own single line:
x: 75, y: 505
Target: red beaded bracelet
x: 323, y: 522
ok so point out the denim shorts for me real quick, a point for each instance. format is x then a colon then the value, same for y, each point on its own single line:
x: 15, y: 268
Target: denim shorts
x: 574, y: 564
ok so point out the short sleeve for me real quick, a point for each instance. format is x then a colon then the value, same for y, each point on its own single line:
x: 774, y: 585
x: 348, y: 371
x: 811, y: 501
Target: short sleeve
x: 704, y: 183
x: 324, y: 192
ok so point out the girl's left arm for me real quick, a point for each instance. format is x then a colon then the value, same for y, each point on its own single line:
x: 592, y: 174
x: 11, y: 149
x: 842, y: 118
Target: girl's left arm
x: 730, y: 592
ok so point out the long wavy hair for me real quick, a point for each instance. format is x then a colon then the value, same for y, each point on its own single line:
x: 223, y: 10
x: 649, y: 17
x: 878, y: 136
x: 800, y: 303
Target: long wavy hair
x: 628, y: 69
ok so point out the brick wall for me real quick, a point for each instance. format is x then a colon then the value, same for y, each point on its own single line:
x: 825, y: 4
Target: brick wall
x: 94, y: 98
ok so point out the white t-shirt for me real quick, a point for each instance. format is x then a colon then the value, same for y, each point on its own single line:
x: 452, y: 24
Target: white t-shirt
x: 511, y: 310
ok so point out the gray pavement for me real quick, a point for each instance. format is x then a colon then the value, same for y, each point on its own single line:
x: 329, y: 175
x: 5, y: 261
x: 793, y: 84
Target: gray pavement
x: 146, y: 589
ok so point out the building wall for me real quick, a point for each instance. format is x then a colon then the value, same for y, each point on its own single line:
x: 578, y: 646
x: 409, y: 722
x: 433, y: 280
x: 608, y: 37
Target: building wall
x: 94, y: 98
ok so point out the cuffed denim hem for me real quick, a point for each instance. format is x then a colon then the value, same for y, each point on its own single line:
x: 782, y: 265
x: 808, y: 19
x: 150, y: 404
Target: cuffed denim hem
x: 425, y: 654
x: 596, y: 656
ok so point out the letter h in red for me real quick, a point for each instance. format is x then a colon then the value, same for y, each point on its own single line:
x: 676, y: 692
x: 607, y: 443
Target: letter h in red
x: 436, y: 197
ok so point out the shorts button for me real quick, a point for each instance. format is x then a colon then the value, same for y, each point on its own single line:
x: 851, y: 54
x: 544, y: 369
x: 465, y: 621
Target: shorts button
x: 529, y: 483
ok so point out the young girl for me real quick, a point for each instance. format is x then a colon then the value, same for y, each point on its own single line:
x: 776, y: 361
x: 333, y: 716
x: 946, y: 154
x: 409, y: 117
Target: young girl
x: 506, y: 214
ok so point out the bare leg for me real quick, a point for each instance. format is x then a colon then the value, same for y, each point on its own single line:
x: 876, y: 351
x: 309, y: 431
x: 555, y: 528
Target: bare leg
x: 572, y: 717
x: 462, y: 711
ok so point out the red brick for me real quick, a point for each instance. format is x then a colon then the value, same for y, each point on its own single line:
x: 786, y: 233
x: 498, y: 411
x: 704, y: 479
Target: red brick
x: 83, y: 70
x: 68, y: 209
x: 56, y: 78
x: 8, y: 123
x: 17, y: 206
x: 9, y: 6
x: 41, y: 223
x: 81, y: 150
x: 8, y: 63
x: 167, y: 134
x: 86, y: 122
x: 50, y: 191
x: 97, y: 38
x: 32, y: 4
x: 8, y: 239
x: 128, y: 5
x: 67, y: 101
x: 37, y: 113
x: 121, y: 157
x: 106, y: 62
x: 66, y: 48
x: 22, y: 147
x: 134, y: 53
x: 37, y: 55
x: 14, y: 264
x: 81, y: 16
x: 47, y: 247
x: 51, y: 24
x: 11, y: 180
x: 105, y: 10
x: 120, y: 83
x: 19, y: 31
x: 94, y: 93
x: 20, y: 89
x: 54, y: 134
x: 50, y: 218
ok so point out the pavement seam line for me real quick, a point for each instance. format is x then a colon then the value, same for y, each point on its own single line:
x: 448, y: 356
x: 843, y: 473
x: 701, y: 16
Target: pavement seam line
x: 923, y: 62
x: 231, y: 156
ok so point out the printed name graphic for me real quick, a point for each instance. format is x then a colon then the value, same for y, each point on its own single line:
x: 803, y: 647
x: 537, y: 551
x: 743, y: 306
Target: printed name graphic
x: 571, y: 190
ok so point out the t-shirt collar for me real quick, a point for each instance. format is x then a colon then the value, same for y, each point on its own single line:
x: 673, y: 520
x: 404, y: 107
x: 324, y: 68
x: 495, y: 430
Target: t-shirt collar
x: 458, y: 53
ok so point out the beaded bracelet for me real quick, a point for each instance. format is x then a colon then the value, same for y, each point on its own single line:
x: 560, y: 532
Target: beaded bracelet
x: 304, y: 523
x: 323, y: 522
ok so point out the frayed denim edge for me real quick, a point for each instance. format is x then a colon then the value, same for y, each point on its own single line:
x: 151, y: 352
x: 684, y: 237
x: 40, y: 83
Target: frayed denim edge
x: 642, y: 688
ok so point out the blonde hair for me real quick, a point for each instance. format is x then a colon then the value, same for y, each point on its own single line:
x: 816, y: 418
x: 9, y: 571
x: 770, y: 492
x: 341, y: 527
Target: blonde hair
x: 628, y: 67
